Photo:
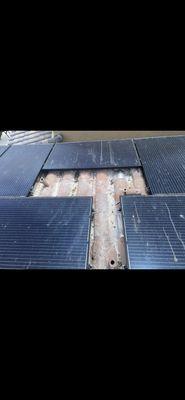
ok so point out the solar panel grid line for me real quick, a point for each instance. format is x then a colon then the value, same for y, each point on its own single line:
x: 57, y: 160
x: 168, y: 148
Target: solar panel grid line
x: 87, y: 263
x: 127, y: 259
x: 49, y: 245
x: 51, y: 145
x: 158, y: 137
x: 136, y: 151
x: 37, y: 265
x: 45, y: 249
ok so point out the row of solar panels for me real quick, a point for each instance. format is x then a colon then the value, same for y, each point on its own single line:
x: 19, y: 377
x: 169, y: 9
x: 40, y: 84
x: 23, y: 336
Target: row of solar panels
x: 54, y: 232
x: 162, y: 159
x: 20, y: 165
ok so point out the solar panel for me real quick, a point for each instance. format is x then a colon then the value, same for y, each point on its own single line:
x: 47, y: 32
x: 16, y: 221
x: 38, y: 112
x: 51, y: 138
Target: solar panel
x: 20, y: 166
x: 154, y: 231
x: 93, y: 155
x: 163, y: 161
x: 3, y: 149
x: 44, y: 232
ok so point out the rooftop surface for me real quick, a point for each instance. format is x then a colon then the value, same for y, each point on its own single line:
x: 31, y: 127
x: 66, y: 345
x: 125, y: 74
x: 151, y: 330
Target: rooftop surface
x: 106, y: 186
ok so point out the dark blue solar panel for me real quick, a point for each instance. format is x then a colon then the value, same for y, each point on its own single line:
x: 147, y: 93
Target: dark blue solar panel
x: 93, y: 155
x: 163, y: 161
x: 44, y: 232
x: 20, y: 166
x: 154, y: 231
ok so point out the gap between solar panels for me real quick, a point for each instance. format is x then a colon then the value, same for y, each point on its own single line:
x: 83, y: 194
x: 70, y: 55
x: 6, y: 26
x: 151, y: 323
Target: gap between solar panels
x: 48, y: 233
x: 93, y: 155
x: 154, y: 231
x: 105, y: 186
